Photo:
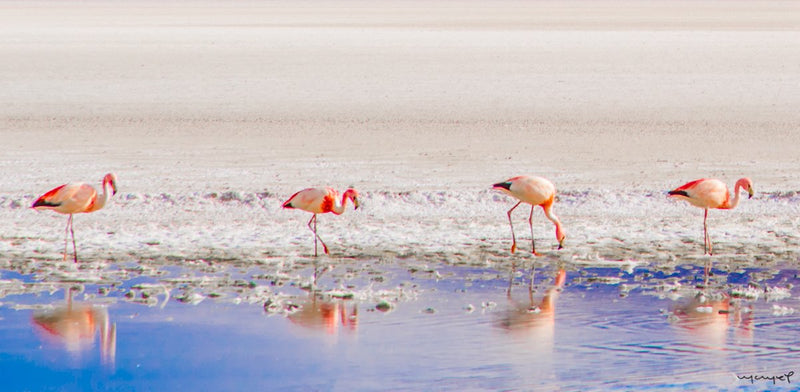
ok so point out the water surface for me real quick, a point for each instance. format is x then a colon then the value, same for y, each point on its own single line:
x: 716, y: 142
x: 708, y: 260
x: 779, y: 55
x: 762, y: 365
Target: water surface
x: 396, y: 324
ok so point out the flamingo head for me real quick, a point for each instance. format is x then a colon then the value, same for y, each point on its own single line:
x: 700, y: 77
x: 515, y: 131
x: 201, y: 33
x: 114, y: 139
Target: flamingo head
x: 747, y: 185
x: 352, y: 194
x: 111, y: 179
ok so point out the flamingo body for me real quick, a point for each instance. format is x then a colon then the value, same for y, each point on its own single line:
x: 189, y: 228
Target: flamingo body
x: 321, y: 201
x: 711, y: 194
x: 74, y: 198
x: 68, y: 199
x: 314, y: 200
x: 704, y: 193
x: 536, y: 191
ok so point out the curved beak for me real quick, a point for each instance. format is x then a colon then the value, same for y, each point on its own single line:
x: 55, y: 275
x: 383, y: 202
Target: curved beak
x: 355, y: 203
x: 561, y: 243
x: 750, y: 193
x: 113, y: 188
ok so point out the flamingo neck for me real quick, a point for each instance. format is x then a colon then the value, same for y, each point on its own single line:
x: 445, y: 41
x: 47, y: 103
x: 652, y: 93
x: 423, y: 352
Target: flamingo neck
x: 553, y: 218
x: 339, y: 208
x: 736, y: 195
x: 102, y: 198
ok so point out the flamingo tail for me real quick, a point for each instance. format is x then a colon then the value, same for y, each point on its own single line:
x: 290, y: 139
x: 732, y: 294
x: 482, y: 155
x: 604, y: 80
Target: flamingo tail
x: 44, y: 203
x: 504, y: 185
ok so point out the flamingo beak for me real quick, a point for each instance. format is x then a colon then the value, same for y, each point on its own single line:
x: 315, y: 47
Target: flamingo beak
x: 113, y: 188
x: 561, y: 243
x: 750, y: 193
x: 355, y: 203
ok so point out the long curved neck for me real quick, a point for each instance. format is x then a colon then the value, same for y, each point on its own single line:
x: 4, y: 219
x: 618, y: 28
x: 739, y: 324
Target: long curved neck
x: 102, y: 198
x: 339, y: 208
x: 553, y: 218
x: 736, y: 195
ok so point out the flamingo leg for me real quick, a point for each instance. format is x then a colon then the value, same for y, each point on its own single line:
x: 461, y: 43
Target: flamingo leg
x: 74, y: 247
x: 314, y: 230
x: 530, y: 223
x: 66, y: 236
x: 706, y: 238
x: 513, y: 237
x: 316, y: 236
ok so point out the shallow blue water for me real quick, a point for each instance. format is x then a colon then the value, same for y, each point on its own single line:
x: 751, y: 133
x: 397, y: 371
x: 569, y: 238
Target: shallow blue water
x: 600, y: 329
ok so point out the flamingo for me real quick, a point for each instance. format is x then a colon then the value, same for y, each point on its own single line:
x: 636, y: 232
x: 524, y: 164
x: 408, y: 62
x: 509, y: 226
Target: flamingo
x: 320, y: 201
x: 710, y: 193
x: 535, y: 191
x: 73, y: 198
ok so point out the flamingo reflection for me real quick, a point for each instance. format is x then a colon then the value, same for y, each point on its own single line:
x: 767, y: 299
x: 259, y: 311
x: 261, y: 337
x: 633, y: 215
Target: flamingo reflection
x: 317, y: 313
x: 320, y: 313
x: 535, y: 319
x: 75, y: 325
x: 709, y: 315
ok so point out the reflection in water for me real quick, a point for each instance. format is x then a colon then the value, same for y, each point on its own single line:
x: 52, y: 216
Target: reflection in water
x: 75, y: 324
x: 531, y: 320
x: 531, y: 324
x: 709, y: 316
x: 705, y: 319
x: 319, y: 314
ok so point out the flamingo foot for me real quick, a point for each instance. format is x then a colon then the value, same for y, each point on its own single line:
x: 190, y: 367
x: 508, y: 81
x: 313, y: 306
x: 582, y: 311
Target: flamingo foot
x: 513, y: 247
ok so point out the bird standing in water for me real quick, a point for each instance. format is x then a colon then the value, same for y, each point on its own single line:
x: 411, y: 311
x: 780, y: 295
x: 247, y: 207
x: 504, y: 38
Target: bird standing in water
x: 535, y: 191
x: 710, y: 193
x: 75, y: 198
x: 320, y: 201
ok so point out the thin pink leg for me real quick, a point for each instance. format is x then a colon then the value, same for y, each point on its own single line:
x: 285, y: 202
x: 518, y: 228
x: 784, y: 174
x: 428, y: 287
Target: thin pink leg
x: 707, y: 239
x: 74, y: 247
x: 530, y: 223
x: 66, y: 236
x: 513, y: 237
x: 316, y: 236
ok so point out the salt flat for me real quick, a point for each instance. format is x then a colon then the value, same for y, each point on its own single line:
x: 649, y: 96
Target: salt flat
x: 212, y: 114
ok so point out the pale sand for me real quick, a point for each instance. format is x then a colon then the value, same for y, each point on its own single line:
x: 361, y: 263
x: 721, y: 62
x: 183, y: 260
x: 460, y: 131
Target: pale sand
x: 398, y: 96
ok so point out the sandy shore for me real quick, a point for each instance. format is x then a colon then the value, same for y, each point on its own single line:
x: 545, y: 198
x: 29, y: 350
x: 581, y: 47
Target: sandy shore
x: 185, y: 99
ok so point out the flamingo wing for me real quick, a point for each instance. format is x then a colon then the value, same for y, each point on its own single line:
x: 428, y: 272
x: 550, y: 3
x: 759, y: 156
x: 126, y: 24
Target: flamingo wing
x: 703, y: 193
x: 68, y: 199
x: 52, y: 198
x: 684, y: 189
x: 533, y: 190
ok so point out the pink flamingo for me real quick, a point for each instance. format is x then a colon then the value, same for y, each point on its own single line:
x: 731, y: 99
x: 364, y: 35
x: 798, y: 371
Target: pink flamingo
x: 709, y: 193
x: 320, y: 201
x: 74, y: 198
x: 535, y: 191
